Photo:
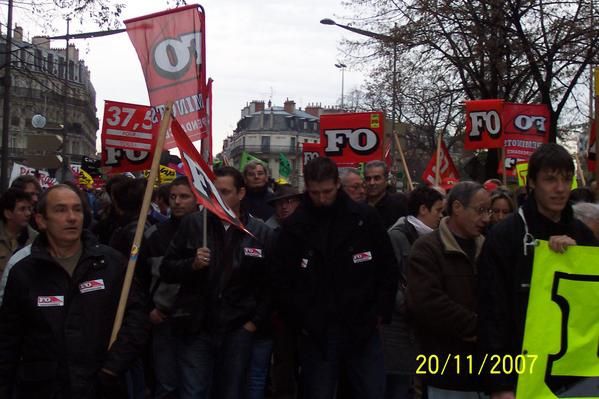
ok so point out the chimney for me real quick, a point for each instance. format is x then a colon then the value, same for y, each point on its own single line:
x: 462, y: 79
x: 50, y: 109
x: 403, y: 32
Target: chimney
x: 41, y: 42
x: 289, y: 106
x: 18, y: 33
x: 258, y: 106
x: 73, y: 53
x: 314, y: 110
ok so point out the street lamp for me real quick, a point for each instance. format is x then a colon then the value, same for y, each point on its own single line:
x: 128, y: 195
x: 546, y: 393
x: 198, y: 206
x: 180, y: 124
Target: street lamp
x: 342, y: 67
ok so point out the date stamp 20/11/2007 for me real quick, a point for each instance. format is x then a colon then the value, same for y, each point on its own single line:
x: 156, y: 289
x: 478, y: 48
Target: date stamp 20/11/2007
x: 475, y: 365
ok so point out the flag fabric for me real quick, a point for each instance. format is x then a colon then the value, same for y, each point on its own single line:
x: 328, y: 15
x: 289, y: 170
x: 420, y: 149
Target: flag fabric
x: 201, y: 177
x: 246, y: 158
x: 206, y: 146
x: 171, y: 46
x: 447, y: 170
x: 284, y: 166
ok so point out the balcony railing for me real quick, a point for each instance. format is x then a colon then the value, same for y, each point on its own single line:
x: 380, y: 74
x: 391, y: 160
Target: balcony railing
x: 262, y: 149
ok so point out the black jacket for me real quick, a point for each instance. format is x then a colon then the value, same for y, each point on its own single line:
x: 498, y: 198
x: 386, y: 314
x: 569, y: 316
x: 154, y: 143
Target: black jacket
x: 504, y: 280
x: 256, y: 203
x: 54, y: 329
x: 233, y: 289
x: 391, y: 207
x: 336, y: 267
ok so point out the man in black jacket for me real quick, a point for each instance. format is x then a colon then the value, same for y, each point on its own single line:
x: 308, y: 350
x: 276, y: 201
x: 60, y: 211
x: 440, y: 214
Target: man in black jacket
x: 390, y: 206
x: 224, y: 296
x: 337, y: 279
x: 505, y: 264
x: 58, y: 310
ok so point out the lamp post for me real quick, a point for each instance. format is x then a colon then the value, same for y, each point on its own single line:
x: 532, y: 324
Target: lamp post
x: 342, y: 67
x: 6, y: 105
x: 385, y: 39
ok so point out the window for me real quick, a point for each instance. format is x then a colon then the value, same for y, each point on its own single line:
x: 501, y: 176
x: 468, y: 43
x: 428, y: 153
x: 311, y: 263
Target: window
x: 71, y: 70
x: 61, y: 67
x: 37, y: 61
x: 265, y: 144
x: 292, y: 144
x: 51, y: 63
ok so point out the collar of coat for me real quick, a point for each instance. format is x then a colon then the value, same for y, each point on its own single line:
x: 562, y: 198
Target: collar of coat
x: 90, y: 247
x: 449, y: 242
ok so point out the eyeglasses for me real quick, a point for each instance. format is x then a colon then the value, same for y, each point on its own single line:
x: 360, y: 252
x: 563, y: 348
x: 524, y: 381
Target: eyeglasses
x: 481, y: 211
x: 355, y: 187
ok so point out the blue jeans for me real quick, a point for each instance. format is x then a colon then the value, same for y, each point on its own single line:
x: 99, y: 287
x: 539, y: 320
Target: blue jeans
x: 214, y: 365
x: 164, y: 347
x: 363, y: 365
x: 259, y: 365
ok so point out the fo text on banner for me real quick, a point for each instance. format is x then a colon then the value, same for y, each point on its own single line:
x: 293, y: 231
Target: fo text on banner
x: 447, y: 170
x: 349, y: 139
x: 483, y: 124
x: 171, y: 46
x: 311, y: 151
x: 129, y: 133
x: 201, y: 178
x: 561, y: 325
x: 526, y: 128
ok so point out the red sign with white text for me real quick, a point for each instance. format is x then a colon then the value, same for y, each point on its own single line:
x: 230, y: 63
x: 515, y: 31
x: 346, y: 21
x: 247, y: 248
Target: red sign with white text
x: 447, y: 170
x: 128, y: 136
x: 201, y: 177
x: 483, y: 124
x: 349, y: 139
x: 525, y: 127
x: 171, y: 46
x: 310, y: 151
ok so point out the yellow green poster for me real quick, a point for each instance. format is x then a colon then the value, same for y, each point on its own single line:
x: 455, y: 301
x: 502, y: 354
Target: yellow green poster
x: 562, y: 326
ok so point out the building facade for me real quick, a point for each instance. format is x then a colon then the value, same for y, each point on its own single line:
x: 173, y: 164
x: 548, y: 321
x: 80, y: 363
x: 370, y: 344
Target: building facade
x: 38, y: 87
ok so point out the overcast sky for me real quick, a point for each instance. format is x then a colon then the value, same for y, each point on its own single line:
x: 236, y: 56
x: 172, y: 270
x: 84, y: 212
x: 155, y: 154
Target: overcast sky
x: 255, y: 50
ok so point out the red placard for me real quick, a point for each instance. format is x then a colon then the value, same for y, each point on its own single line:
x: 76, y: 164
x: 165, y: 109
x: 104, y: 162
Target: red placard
x: 447, y: 170
x: 128, y: 136
x: 201, y: 177
x: 483, y: 124
x: 310, y: 151
x: 349, y: 139
x: 526, y: 128
x: 171, y: 46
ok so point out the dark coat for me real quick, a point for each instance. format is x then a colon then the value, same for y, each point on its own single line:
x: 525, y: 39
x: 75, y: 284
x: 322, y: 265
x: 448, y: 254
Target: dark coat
x: 57, y: 351
x: 442, y: 300
x: 505, y: 275
x: 233, y: 289
x: 256, y: 203
x: 391, y: 207
x: 335, y: 267
x: 399, y: 342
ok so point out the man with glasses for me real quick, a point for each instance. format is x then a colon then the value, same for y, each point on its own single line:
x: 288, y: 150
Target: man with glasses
x: 258, y: 195
x: 442, y: 291
x: 353, y: 184
x: 389, y: 206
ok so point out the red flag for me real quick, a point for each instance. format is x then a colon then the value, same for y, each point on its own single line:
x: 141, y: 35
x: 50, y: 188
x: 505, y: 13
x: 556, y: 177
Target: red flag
x: 206, y: 149
x: 201, y: 177
x: 172, y: 51
x: 447, y: 170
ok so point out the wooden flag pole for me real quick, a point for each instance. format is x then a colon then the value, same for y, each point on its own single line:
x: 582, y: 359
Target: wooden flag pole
x: 579, y: 170
x: 403, y: 161
x: 143, y: 215
x: 596, y: 84
x: 438, y: 160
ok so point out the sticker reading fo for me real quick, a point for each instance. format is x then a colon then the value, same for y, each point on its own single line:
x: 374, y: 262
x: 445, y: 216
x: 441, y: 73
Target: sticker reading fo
x: 254, y: 252
x: 91, y: 285
x: 362, y: 257
x: 47, y: 301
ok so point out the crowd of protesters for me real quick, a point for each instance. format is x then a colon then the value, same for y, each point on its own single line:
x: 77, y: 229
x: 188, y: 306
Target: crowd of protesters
x: 336, y: 293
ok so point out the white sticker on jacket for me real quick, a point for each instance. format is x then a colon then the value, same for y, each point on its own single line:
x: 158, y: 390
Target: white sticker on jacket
x: 53, y: 300
x: 91, y: 285
x: 304, y: 263
x: 254, y: 252
x: 362, y: 257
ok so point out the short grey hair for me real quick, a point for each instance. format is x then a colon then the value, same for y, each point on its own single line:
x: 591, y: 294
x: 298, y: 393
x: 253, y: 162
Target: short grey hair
x: 344, y: 173
x: 462, y: 192
x: 252, y: 165
x: 378, y: 164
x: 586, y: 211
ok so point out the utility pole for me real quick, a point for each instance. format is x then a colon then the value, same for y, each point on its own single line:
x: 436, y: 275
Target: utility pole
x: 65, y: 93
x: 6, y: 107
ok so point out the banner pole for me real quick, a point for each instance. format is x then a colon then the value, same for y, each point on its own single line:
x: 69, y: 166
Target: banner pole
x: 403, y: 161
x: 596, y: 81
x: 205, y: 229
x: 143, y: 215
x: 438, y: 160
x: 579, y: 170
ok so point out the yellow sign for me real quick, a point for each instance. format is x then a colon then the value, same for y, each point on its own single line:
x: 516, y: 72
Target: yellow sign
x: 85, y: 179
x: 562, y: 327
x: 166, y: 176
x: 522, y: 171
x: 375, y: 121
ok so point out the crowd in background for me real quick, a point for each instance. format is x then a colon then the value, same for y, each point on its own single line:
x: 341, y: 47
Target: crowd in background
x: 334, y: 294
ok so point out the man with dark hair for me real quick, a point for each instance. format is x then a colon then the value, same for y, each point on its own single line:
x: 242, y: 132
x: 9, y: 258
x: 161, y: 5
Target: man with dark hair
x: 442, y: 289
x: 30, y: 185
x: 182, y: 202
x: 223, y: 297
x: 15, y: 231
x: 258, y: 195
x: 336, y: 276
x: 389, y: 206
x: 425, y: 209
x: 58, y: 310
x: 507, y: 257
